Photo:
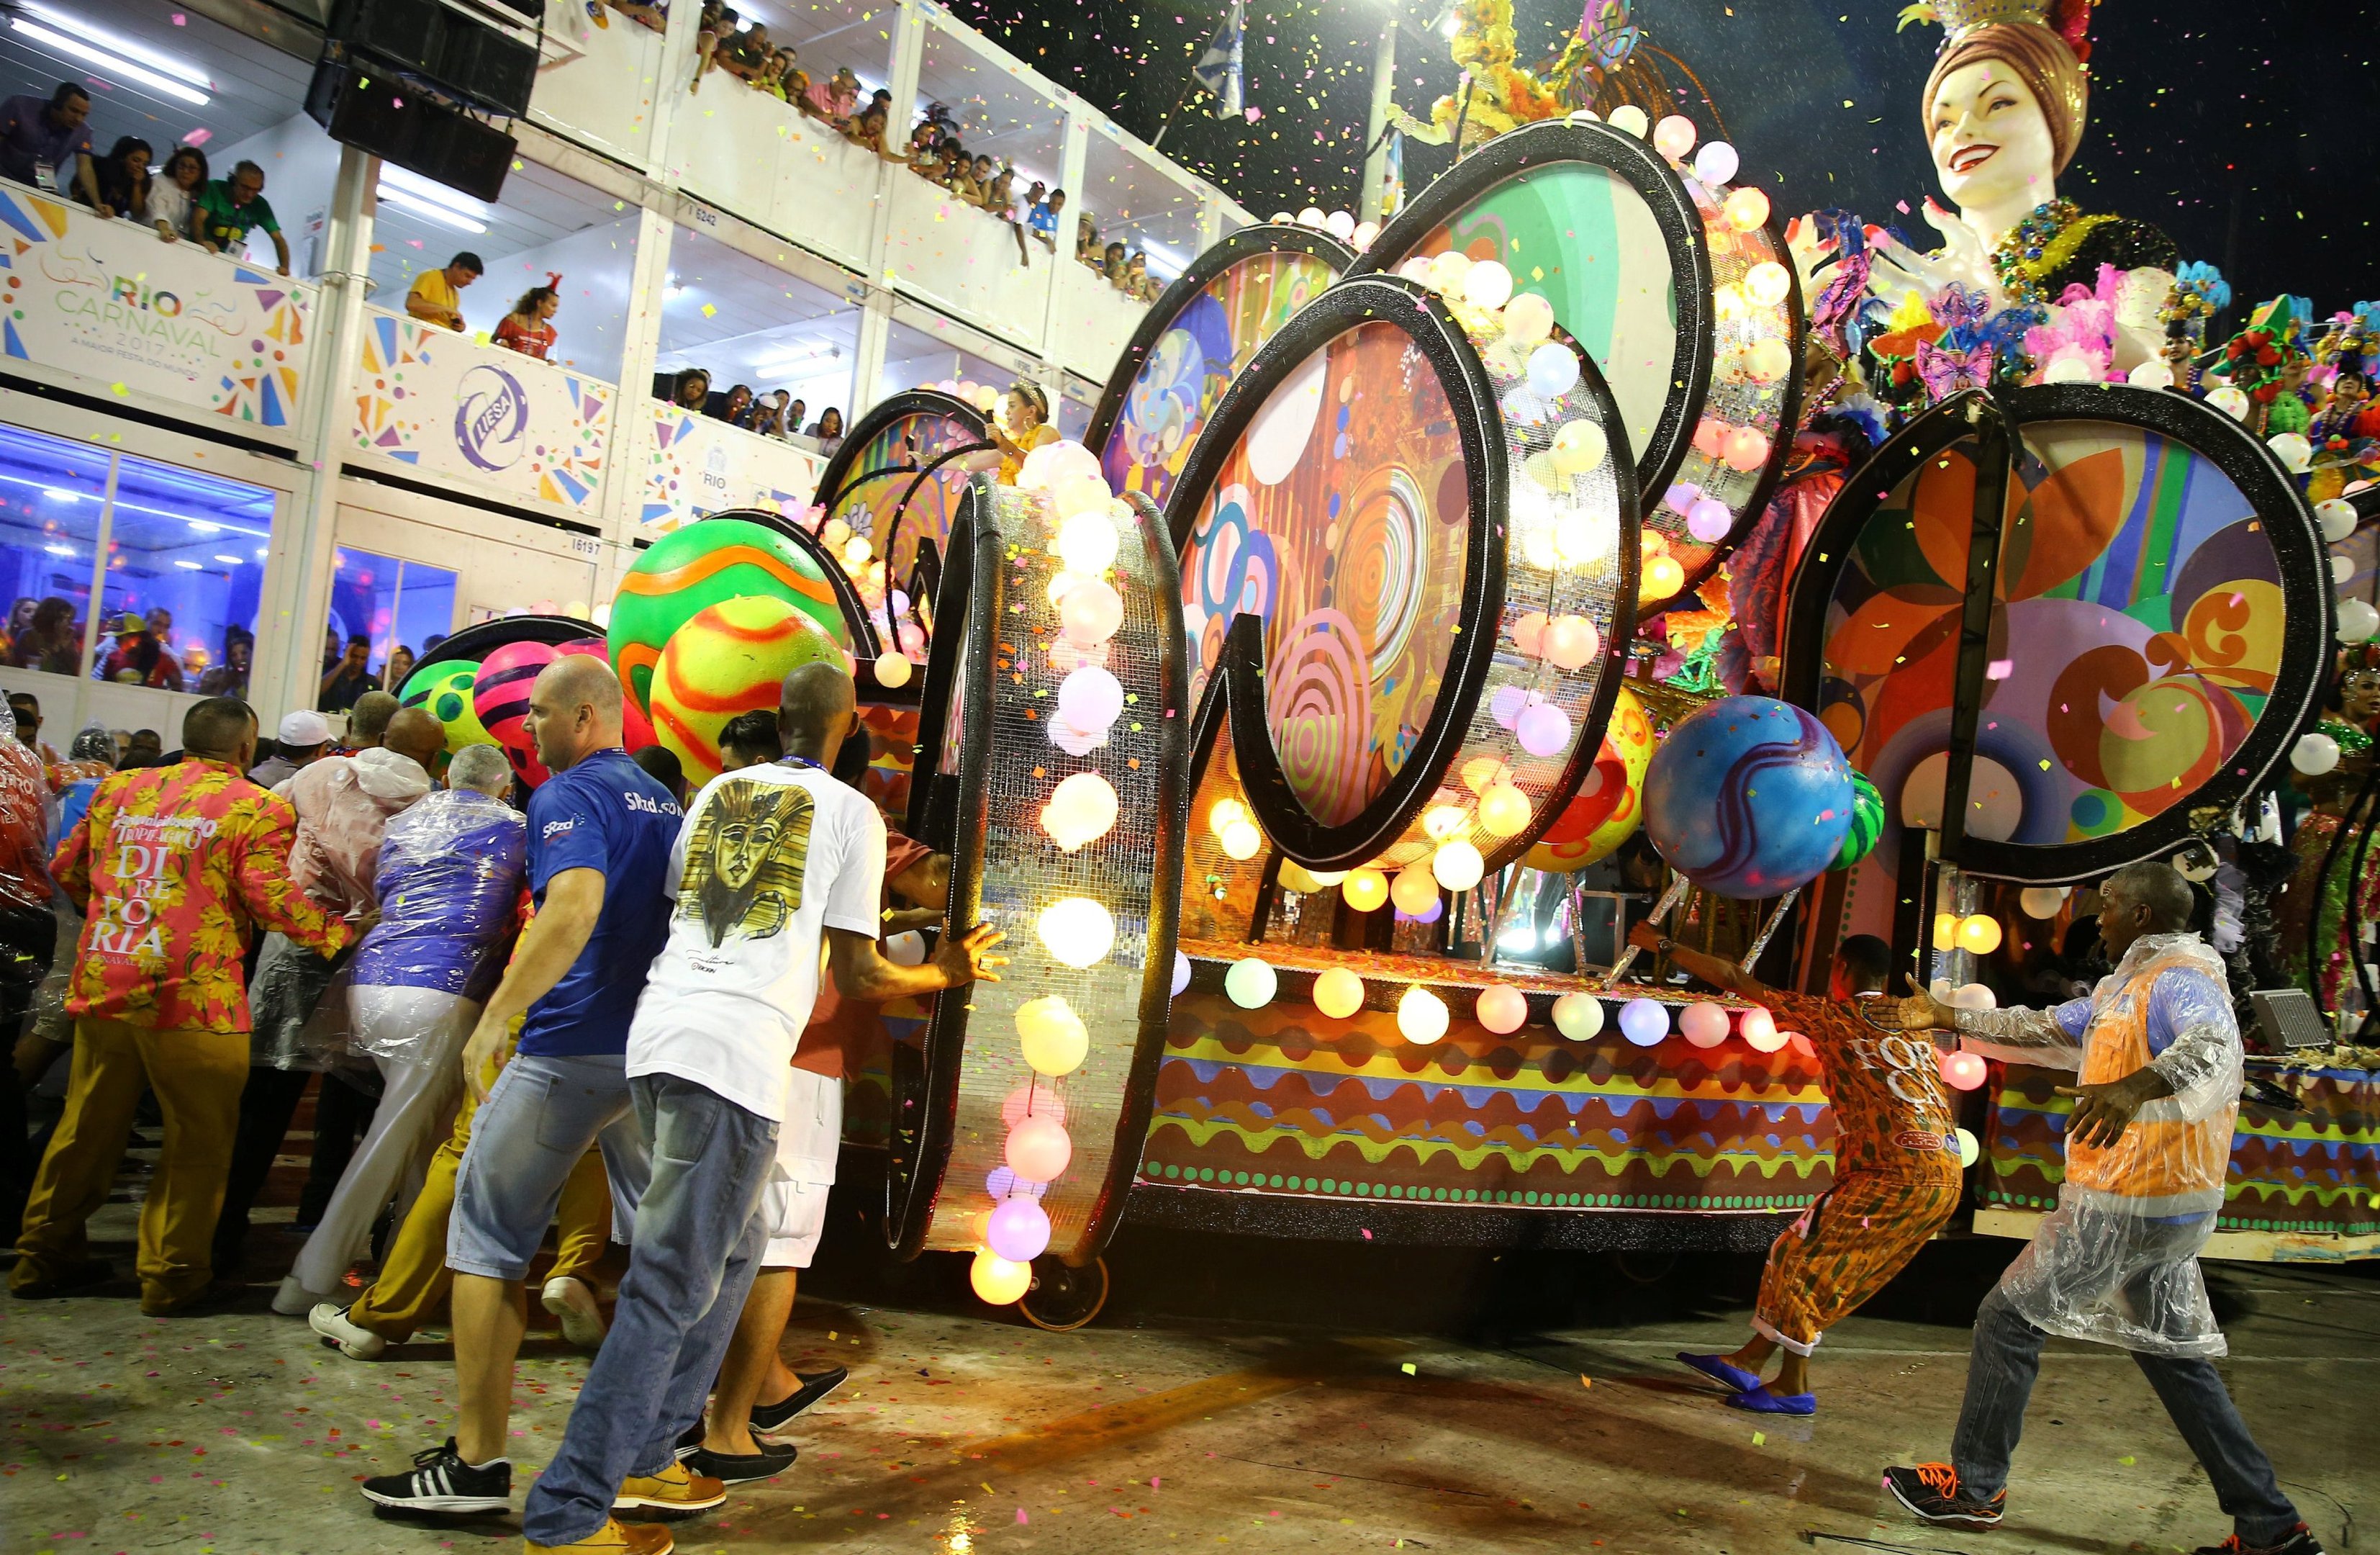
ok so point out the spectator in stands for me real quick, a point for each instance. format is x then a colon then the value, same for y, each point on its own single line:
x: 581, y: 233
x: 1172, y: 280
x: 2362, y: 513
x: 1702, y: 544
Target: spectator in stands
x: 53, y: 642
x: 140, y: 657
x: 715, y: 21
x: 688, y: 389
x: 1087, y: 242
x: 173, y: 193
x: 999, y: 198
x: 229, y: 209
x: 230, y: 677
x: 925, y: 151
x: 350, y: 678
x: 1026, y: 418
x: 756, y: 411
x: 1137, y: 282
x: 118, y: 185
x: 1112, y: 266
x: 529, y: 328
x: 398, y: 670
x: 784, y: 78
x: 827, y: 430
x: 790, y: 423
x: 834, y: 99
x: 867, y: 129
x: 437, y: 294
x: 748, y: 55
x: 1043, y: 219
x: 37, y: 134
x: 730, y: 405
x: 653, y: 15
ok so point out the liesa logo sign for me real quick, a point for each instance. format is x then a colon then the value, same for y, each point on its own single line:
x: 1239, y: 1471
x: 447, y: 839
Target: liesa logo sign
x: 490, y: 417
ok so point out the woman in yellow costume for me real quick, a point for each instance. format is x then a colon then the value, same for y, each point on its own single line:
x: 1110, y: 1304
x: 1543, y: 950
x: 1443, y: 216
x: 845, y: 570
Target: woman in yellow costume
x: 1499, y: 96
x: 2321, y: 910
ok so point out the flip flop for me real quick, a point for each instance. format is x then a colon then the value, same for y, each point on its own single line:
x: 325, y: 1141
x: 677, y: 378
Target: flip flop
x: 1731, y: 1377
x: 1760, y: 1400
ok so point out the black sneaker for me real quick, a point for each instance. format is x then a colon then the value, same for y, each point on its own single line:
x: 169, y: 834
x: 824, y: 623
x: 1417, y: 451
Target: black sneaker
x: 441, y: 1481
x: 769, y: 1418
x: 2300, y: 1542
x: 1931, y: 1491
x: 78, y: 1276
x: 732, y: 1468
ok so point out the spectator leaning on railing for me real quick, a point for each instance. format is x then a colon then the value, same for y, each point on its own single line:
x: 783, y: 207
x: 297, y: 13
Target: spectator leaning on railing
x: 173, y: 193
x: 231, y: 208
x: 529, y: 328
x: 38, y: 137
x: 436, y: 297
x: 119, y: 182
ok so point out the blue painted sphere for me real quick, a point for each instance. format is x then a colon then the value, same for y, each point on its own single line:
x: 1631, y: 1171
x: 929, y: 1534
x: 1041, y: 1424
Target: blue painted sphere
x: 1749, y: 798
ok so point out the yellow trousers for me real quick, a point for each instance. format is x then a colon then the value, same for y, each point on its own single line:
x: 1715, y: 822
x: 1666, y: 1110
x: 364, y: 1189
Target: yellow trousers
x: 414, y: 1281
x: 198, y: 1077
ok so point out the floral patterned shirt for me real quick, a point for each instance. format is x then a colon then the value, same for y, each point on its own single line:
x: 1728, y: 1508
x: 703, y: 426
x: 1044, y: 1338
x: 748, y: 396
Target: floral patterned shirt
x: 173, y: 864
x: 1892, y: 1116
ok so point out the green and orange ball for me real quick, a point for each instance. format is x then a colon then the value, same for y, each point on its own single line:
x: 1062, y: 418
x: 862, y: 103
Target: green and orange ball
x: 444, y: 686
x: 729, y: 659
x: 693, y: 569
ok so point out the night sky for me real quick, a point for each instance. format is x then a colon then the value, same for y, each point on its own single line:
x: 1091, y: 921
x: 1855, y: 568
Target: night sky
x: 2254, y: 139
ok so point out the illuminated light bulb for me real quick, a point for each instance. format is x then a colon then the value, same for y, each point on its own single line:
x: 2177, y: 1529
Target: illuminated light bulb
x: 1728, y: 301
x: 1483, y: 773
x: 1364, y: 890
x: 2041, y: 901
x: 1541, y: 469
x: 1716, y: 162
x: 1578, y: 1017
x: 1579, y: 446
x: 1054, y: 1040
x: 1018, y: 1230
x: 2293, y: 450
x: 1081, y: 808
x: 1537, y: 549
x: 1180, y: 973
x: 1505, y: 811
x: 1703, y: 1024
x: 1251, y: 982
x: 1283, y: 218
x: 892, y: 669
x: 1311, y: 217
x: 1488, y: 286
x: 1090, y: 698
x: 1980, y: 934
x: 1529, y: 636
x: 1339, y: 225
x: 1421, y: 1016
x: 1503, y: 1009
x: 1652, y: 542
x: 1440, y: 821
x: 1416, y: 270
x: 834, y: 532
x: 1364, y: 235
x: 1528, y: 319
x: 1075, y: 931
x: 1090, y: 612
x: 1338, y: 993
x: 2231, y: 400
x: 1644, y: 1022
x: 1745, y: 450
x: 1662, y: 578
x: 2151, y: 374
x: 2358, y: 621
x: 1963, y: 1071
x: 1767, y: 282
x: 1086, y: 544
x: 1446, y: 270
x: 999, y: 1281
x: 1544, y: 729
x: 1766, y: 361
x: 1038, y: 1150
x: 1746, y: 210
x: 1241, y: 840
x: 1078, y: 494
x: 1674, y: 137
x: 1629, y: 119
x: 1758, y: 1029
x: 1570, y: 641
x: 1945, y: 931
x: 1710, y: 520
x: 906, y: 949
x: 1577, y: 540
x: 1710, y: 436
x: 1292, y: 876
x: 1324, y: 878
x: 1059, y: 582
x: 1415, y: 891
x: 1226, y: 811
x: 1969, y: 1150
x: 1457, y: 865
x: 1553, y: 370
x: 856, y: 551
x: 2336, y: 516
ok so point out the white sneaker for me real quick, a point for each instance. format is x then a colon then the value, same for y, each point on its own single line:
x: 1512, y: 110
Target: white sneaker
x: 294, y: 1300
x: 574, y: 1303
x: 356, y: 1343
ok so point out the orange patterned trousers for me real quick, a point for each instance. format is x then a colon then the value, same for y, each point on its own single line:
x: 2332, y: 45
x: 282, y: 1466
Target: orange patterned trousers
x: 1842, y: 1250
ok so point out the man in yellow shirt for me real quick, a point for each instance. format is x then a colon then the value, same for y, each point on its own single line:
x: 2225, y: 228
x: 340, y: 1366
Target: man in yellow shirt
x: 437, y: 294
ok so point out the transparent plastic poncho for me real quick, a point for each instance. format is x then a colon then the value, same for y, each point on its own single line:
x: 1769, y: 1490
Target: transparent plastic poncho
x: 24, y: 826
x: 2118, y: 1263
x: 449, y: 881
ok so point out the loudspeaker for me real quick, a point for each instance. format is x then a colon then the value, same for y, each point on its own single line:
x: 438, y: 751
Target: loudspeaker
x: 382, y: 118
x: 406, y: 32
x: 458, y: 150
x: 491, y: 68
x: 2288, y: 1019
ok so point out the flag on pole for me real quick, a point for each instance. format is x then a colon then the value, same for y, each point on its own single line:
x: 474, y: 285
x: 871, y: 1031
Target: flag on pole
x: 1219, y: 68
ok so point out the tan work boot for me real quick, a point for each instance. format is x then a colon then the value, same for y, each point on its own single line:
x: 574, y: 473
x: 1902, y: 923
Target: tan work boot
x: 616, y: 1538
x: 676, y: 1491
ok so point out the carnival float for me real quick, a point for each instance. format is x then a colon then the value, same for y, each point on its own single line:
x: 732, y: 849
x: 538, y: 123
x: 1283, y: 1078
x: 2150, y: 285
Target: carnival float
x: 1408, y: 576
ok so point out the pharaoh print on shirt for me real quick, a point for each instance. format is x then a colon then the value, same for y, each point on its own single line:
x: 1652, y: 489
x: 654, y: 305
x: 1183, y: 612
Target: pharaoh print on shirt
x: 745, y: 862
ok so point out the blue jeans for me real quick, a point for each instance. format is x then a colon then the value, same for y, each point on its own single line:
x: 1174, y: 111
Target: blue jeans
x: 698, y: 1244
x: 525, y: 1140
x: 2006, y: 1357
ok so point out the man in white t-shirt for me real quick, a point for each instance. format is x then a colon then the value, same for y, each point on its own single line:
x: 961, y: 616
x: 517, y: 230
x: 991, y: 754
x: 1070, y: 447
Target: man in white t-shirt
x: 773, y: 862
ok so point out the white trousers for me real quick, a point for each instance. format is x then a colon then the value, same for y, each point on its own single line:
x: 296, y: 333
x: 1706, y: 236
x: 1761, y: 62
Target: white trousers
x: 418, y: 1096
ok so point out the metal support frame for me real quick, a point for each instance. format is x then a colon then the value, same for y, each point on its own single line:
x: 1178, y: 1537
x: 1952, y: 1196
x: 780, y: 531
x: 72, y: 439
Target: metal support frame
x: 1661, y: 910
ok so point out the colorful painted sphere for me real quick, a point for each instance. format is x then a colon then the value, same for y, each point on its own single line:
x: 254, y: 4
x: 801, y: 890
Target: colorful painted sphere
x: 1609, y: 806
x: 1748, y: 797
x: 445, y: 687
x: 729, y: 659
x: 689, y: 570
x: 1867, y: 823
x: 500, y: 696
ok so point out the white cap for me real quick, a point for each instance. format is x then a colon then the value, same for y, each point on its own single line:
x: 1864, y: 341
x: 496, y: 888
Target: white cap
x: 302, y: 729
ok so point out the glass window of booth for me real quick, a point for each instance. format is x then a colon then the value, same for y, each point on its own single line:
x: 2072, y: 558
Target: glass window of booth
x: 399, y: 604
x: 52, y: 498
x: 185, y: 572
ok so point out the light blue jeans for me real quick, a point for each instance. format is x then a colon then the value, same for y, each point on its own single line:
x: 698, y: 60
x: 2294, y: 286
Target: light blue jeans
x: 699, y: 1237
x: 525, y: 1140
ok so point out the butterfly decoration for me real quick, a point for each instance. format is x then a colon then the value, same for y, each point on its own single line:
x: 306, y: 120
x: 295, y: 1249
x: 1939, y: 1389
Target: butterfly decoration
x: 1947, y: 371
x: 1958, y: 305
x: 1609, y: 36
x: 1846, y: 284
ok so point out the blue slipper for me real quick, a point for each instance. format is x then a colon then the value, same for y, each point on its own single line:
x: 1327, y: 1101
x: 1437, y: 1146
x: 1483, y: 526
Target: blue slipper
x: 1760, y: 1400
x: 1720, y: 1371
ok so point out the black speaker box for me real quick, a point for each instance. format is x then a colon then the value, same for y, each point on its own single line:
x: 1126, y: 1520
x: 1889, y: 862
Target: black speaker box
x: 373, y: 113
x: 458, y: 150
x: 490, y: 66
x: 406, y: 32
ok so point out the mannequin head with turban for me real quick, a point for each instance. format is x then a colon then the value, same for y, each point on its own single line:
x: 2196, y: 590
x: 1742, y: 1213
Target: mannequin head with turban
x: 2004, y: 110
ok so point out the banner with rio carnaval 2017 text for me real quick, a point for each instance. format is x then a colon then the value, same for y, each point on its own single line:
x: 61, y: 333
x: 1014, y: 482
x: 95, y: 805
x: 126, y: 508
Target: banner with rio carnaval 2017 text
x: 110, y: 302
x: 700, y: 465
x: 450, y: 407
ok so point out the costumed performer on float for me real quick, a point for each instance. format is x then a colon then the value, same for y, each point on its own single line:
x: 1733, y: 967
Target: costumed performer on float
x: 2157, y: 1092
x: 2322, y: 911
x: 1896, y: 1169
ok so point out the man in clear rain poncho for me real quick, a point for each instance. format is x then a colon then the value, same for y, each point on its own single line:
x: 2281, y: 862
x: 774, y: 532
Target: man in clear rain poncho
x: 2156, y: 1053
